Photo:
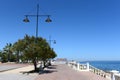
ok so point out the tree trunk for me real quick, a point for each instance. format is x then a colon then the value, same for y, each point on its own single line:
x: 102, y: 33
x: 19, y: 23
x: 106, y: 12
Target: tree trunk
x: 35, y: 65
x: 17, y: 57
x: 8, y: 56
x: 49, y: 62
x: 44, y: 64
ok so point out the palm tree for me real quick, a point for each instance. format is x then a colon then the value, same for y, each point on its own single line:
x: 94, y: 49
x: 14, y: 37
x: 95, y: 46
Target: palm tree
x: 8, y: 50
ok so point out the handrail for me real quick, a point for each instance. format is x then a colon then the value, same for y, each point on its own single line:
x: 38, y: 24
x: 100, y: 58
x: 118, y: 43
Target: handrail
x: 87, y: 67
x: 99, y: 72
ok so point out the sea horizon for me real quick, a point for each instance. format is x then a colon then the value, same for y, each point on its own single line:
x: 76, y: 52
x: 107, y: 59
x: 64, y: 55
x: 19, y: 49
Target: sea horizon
x: 104, y: 64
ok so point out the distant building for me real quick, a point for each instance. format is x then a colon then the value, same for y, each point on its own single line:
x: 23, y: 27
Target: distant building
x: 61, y: 60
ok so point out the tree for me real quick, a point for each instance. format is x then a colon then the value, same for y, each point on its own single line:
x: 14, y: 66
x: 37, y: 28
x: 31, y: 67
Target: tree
x: 33, y: 49
x: 46, y: 55
x: 4, y: 57
x: 18, y: 48
x: 8, y: 51
x: 0, y: 55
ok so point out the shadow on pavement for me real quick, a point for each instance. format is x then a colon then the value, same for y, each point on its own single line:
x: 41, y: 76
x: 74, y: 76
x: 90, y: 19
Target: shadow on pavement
x: 47, y: 70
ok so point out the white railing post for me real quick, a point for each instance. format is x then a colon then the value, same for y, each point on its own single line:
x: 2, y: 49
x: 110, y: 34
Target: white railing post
x: 78, y: 66
x: 88, y: 66
x: 113, y: 72
x: 74, y: 65
x: 68, y: 64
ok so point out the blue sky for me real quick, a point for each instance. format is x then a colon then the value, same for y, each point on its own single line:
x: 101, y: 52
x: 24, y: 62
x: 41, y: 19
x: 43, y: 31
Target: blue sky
x: 83, y: 29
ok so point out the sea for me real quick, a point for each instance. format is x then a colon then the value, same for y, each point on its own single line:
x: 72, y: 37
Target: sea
x: 105, y: 65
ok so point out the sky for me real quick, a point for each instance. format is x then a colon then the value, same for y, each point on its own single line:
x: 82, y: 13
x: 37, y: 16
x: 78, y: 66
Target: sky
x: 83, y: 29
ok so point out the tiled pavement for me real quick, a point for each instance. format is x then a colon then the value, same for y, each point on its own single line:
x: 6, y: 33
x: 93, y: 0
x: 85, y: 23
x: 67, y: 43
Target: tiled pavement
x: 63, y: 72
x: 55, y: 72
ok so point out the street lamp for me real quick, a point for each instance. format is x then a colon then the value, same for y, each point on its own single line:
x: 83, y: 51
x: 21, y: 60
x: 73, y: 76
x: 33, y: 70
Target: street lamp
x: 26, y: 19
x: 37, y: 16
x: 50, y: 40
x: 54, y: 42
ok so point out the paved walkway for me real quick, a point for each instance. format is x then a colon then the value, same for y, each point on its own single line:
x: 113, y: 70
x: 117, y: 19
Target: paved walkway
x: 17, y: 74
x: 10, y: 66
x: 63, y: 72
x: 55, y: 72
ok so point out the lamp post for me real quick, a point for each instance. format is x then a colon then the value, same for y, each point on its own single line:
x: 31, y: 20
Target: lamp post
x: 37, y: 19
x: 54, y: 42
x: 50, y: 40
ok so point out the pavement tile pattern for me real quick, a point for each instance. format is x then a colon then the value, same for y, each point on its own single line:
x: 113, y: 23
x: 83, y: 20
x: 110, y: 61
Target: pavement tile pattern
x: 63, y: 72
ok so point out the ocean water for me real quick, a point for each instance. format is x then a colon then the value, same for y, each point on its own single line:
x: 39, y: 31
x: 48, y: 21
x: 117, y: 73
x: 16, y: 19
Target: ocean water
x: 105, y: 65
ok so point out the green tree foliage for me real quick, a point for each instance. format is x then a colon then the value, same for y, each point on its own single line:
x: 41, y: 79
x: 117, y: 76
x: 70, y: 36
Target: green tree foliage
x: 4, y: 57
x: 34, y: 49
x: 18, y: 48
x: 47, y: 54
x: 7, y: 51
x: 0, y: 55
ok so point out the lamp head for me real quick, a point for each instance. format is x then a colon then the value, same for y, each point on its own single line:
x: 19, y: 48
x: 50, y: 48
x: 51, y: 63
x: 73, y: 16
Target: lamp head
x: 54, y: 42
x: 48, y: 19
x: 26, y: 19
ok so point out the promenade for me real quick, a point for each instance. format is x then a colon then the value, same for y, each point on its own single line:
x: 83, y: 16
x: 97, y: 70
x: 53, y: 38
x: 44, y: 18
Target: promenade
x: 10, y: 66
x: 15, y: 72
x: 63, y: 72
x: 55, y: 72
